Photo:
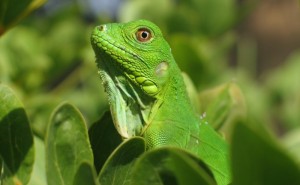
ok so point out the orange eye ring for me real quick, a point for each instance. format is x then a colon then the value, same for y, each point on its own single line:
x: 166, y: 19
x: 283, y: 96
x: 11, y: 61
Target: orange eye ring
x: 143, y: 35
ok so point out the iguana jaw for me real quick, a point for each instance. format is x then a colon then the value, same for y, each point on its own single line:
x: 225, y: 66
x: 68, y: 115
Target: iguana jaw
x: 130, y: 106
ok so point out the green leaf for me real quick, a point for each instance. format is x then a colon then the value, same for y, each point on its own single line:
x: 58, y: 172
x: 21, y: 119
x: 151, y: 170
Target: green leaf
x: 258, y: 159
x: 85, y: 175
x: 192, y: 91
x: 104, y: 139
x: 0, y: 170
x: 16, y: 139
x: 223, y: 105
x: 170, y: 166
x: 12, y: 11
x: 213, y: 150
x: 118, y: 167
x: 284, y: 92
x: 38, y: 176
x: 67, y: 145
x: 292, y: 142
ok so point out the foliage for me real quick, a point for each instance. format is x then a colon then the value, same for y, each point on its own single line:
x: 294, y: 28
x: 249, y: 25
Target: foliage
x: 269, y: 164
x: 49, y: 60
x: 16, y: 139
x: 12, y: 11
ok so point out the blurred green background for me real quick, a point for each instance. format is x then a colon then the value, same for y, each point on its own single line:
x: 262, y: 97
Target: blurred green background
x: 47, y: 57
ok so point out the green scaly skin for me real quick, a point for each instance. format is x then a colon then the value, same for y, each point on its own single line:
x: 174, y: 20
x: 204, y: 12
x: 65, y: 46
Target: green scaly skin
x: 147, y: 94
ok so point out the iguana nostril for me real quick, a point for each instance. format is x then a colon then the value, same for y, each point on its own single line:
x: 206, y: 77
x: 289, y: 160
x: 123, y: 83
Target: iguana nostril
x: 102, y: 27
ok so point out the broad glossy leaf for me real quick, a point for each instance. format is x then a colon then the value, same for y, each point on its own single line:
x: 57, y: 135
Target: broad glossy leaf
x: 214, y: 151
x: 38, y: 176
x: 104, y: 139
x: 118, y: 166
x: 170, y: 166
x: 258, y: 159
x: 16, y: 139
x: 12, y: 11
x: 85, y: 175
x: 67, y: 145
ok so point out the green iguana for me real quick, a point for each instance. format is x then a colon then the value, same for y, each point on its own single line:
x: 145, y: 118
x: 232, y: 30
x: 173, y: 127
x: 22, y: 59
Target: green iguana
x: 147, y: 94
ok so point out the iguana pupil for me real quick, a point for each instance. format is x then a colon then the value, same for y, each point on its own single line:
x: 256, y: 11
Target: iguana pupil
x: 144, y: 35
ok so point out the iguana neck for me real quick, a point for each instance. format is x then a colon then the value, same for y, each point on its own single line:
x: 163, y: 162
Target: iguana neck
x: 129, y: 107
x: 175, y: 118
x: 176, y: 105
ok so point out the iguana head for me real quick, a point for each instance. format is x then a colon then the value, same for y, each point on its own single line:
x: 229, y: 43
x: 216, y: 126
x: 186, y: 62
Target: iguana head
x: 138, y: 50
x: 134, y: 61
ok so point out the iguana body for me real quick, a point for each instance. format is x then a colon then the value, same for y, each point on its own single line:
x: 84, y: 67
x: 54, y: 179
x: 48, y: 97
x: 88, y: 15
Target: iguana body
x: 147, y: 94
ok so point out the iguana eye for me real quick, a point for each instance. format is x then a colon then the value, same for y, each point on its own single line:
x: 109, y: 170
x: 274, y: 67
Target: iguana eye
x: 143, y: 35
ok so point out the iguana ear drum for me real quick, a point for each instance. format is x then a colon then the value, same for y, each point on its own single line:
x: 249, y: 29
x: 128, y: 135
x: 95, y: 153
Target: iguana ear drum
x: 161, y: 69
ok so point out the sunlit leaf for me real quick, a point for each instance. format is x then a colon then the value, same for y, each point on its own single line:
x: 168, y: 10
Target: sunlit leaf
x: 67, y: 145
x: 214, y: 151
x: 292, y: 142
x: 38, y: 176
